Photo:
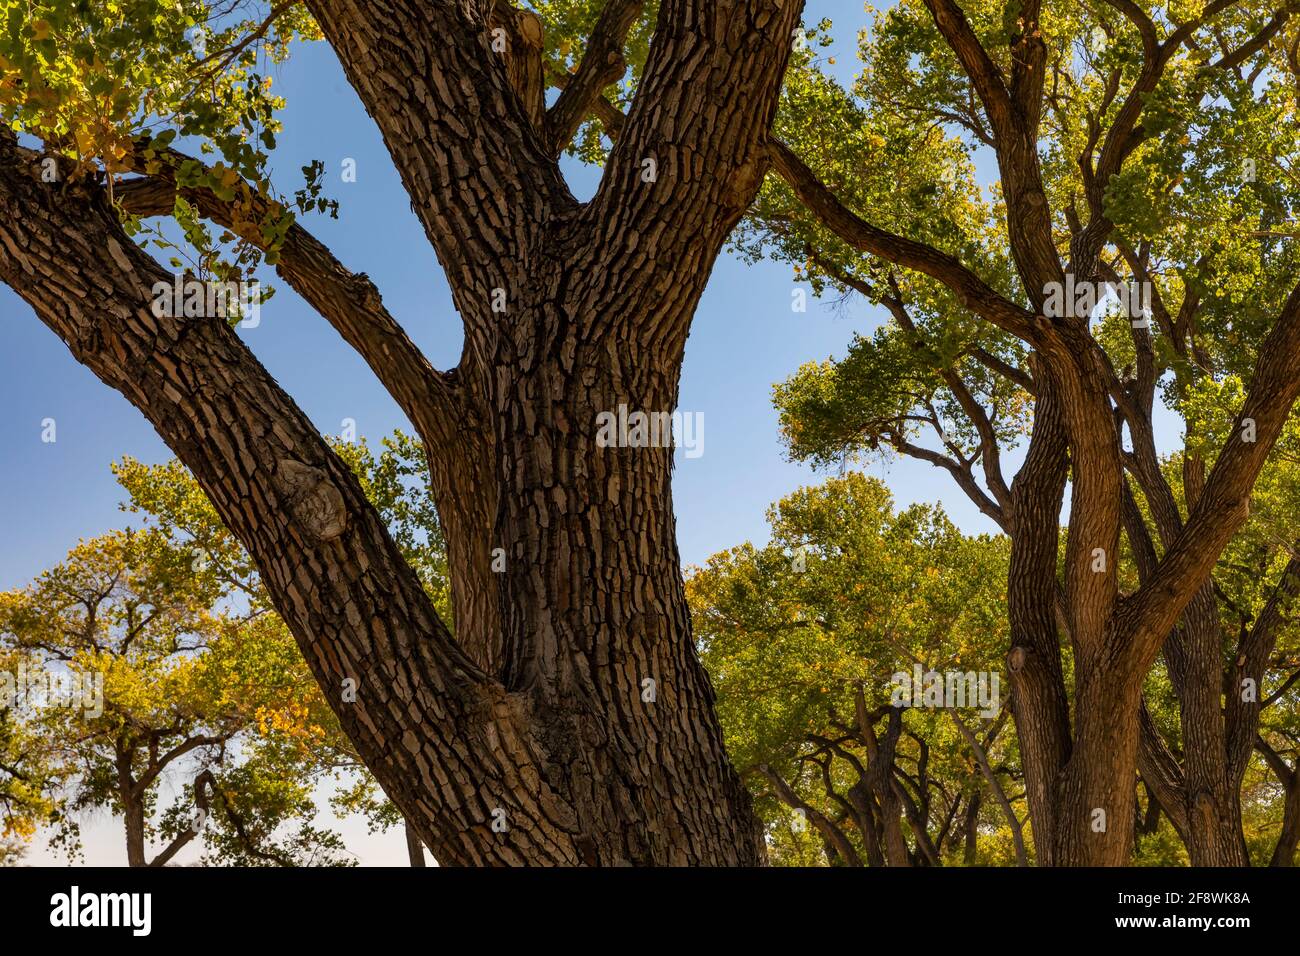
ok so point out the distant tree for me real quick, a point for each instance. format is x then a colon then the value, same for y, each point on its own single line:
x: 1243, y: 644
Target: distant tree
x: 203, y: 684
x: 804, y: 638
x: 395, y: 480
x: 216, y: 695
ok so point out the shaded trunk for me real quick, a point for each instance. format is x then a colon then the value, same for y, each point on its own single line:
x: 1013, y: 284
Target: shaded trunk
x: 970, y: 830
x: 1038, y: 698
x: 1288, y: 839
x: 866, y: 820
x: 464, y: 489
x: 1211, y: 790
x: 881, y: 752
x: 132, y: 811
x: 133, y: 818
x: 414, y: 848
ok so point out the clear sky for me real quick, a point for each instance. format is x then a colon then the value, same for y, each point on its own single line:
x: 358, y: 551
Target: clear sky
x: 745, y: 338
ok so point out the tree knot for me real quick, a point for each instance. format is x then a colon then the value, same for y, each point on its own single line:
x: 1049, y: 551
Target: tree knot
x: 312, y: 499
x: 744, y: 181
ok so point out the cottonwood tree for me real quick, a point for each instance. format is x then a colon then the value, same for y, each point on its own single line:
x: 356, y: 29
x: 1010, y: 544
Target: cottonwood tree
x: 804, y: 638
x: 1132, y: 143
x: 185, y: 690
x: 523, y: 739
x: 1256, y: 583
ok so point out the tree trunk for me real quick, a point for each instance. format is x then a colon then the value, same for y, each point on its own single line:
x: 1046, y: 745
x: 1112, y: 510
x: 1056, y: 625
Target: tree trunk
x: 132, y: 809
x: 414, y: 848
x: 133, y: 818
x: 1289, y: 838
x: 1038, y: 697
x: 881, y: 752
x: 595, y: 619
x: 575, y: 725
x: 1212, y: 791
x: 971, y: 830
x: 592, y: 590
x: 1094, y: 807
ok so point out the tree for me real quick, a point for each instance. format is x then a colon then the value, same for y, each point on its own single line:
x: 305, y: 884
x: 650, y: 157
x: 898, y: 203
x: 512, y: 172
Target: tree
x: 201, y: 678
x: 1256, y: 582
x: 813, y: 641
x: 1120, y: 133
x: 1132, y: 144
x: 165, y: 681
x: 523, y: 738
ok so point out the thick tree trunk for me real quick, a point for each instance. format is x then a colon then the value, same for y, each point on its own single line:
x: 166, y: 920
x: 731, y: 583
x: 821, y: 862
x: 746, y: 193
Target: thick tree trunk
x: 595, y: 607
x: 570, y: 721
x: 1094, y: 810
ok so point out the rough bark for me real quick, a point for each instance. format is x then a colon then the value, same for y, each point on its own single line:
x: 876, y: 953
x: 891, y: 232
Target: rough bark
x: 541, y: 742
x: 1038, y: 696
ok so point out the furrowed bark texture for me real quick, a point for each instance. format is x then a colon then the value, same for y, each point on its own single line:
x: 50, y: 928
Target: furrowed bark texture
x: 569, y: 721
x: 1039, y: 702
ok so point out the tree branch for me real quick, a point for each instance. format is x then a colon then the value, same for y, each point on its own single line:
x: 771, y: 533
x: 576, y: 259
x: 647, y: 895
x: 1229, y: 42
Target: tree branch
x: 1223, y: 504
x: 972, y: 291
x: 349, y: 302
x: 459, y: 135
x: 602, y: 64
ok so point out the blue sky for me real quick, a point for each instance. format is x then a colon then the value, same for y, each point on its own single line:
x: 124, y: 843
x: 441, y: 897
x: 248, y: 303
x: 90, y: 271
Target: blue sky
x: 745, y: 337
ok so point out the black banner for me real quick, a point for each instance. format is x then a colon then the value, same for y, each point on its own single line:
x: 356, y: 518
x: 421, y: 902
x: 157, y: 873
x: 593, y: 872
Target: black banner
x: 912, y: 907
